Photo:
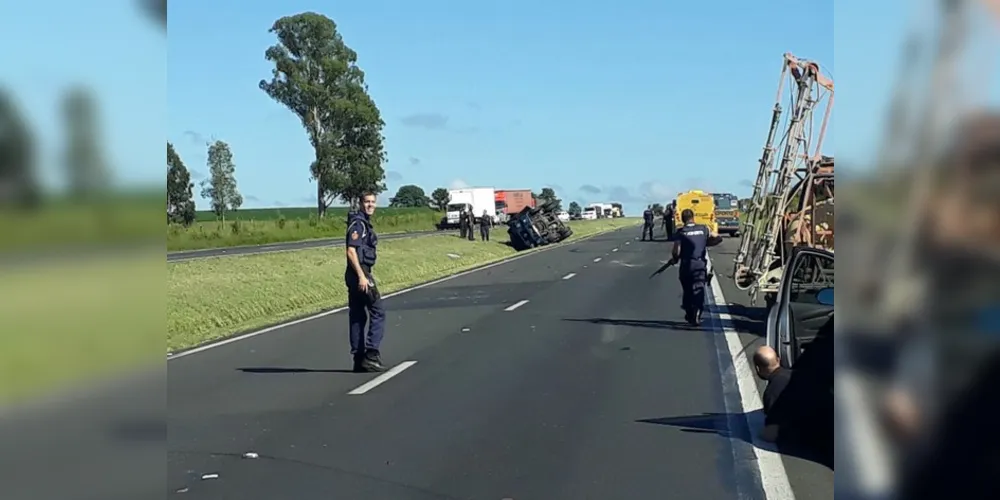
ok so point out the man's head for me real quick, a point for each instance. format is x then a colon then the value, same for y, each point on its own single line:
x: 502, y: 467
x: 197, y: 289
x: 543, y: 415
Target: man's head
x: 368, y: 203
x: 765, y: 362
x: 687, y: 216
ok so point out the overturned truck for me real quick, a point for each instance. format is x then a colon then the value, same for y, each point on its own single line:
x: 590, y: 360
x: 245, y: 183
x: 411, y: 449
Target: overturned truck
x: 537, y: 226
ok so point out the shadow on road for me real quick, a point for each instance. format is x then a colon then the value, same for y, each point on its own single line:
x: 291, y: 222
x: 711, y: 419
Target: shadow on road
x: 291, y: 370
x: 722, y: 424
x: 641, y: 323
x: 747, y: 319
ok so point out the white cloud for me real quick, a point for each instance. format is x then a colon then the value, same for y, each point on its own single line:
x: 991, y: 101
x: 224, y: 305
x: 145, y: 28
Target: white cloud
x: 458, y: 184
x: 656, y: 192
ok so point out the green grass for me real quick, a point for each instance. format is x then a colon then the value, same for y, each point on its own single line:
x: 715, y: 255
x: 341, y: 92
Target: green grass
x: 64, y: 322
x: 244, y: 229
x: 215, y: 297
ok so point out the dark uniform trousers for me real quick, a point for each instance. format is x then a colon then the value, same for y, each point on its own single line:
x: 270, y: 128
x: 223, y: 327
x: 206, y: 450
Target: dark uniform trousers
x: 364, y: 308
x: 472, y: 230
x: 693, y: 276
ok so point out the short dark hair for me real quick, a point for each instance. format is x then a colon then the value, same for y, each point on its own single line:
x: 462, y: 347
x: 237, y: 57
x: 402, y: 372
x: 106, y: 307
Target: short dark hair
x: 366, y: 194
x: 687, y: 215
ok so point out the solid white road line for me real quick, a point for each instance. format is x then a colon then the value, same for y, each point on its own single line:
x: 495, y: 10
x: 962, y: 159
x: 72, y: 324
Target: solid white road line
x: 568, y: 276
x: 515, y: 306
x: 597, y: 259
x: 383, y: 378
x: 773, y: 478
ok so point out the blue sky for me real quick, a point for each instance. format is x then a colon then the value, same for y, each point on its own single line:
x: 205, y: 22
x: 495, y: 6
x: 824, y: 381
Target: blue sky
x: 637, y: 99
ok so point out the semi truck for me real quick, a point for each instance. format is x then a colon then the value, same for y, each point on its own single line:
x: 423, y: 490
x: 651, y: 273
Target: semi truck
x: 512, y: 201
x: 478, y: 200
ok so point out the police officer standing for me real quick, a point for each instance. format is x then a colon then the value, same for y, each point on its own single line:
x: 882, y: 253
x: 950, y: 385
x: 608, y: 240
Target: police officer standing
x: 485, y: 224
x: 363, y: 300
x: 647, y: 225
x: 471, y: 223
x: 668, y: 220
x: 463, y: 224
x: 691, y: 250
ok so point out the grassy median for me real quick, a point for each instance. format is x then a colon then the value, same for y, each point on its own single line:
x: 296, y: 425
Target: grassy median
x: 215, y: 297
x: 65, y: 321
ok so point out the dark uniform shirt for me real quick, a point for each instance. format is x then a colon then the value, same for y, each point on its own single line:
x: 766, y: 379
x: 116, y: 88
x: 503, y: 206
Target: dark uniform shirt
x: 361, y: 235
x: 694, y: 240
x: 648, y: 216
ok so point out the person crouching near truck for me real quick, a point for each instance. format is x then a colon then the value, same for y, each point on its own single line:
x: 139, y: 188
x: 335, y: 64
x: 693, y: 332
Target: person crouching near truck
x: 485, y: 224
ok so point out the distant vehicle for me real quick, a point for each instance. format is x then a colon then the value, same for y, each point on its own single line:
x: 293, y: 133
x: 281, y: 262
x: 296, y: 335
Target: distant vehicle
x: 535, y: 227
x: 603, y: 210
x: 727, y: 213
x: 563, y: 215
x: 589, y: 213
x: 617, y: 210
x: 477, y: 200
x: 703, y: 206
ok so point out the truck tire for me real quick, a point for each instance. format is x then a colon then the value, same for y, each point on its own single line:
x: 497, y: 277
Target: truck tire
x: 551, y: 206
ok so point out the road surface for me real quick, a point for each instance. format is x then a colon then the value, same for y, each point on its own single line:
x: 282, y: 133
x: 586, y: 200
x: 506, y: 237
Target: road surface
x: 276, y: 247
x: 565, y: 374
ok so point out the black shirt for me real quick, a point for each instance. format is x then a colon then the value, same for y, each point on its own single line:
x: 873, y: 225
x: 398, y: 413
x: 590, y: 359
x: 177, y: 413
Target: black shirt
x: 775, y: 386
x: 648, y: 216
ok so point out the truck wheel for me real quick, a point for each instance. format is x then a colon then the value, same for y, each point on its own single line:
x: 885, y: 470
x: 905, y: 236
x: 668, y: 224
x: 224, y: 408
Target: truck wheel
x: 550, y: 206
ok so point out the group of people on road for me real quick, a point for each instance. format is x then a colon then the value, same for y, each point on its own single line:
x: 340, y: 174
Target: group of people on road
x: 649, y: 216
x: 467, y: 221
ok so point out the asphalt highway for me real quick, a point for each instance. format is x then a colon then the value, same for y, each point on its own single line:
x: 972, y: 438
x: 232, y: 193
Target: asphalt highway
x: 565, y: 374
x: 276, y: 247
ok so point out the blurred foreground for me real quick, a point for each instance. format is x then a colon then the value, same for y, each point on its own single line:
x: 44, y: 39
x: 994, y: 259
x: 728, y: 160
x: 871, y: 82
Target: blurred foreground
x: 82, y: 121
x: 917, y: 354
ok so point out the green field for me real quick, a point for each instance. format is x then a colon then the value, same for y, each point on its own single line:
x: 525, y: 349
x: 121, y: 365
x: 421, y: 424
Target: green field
x: 215, y: 297
x: 273, y: 225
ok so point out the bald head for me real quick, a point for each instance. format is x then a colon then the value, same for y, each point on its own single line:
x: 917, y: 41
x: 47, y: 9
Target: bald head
x: 765, y: 361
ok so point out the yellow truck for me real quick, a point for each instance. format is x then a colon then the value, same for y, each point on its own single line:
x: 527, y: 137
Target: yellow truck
x: 703, y: 206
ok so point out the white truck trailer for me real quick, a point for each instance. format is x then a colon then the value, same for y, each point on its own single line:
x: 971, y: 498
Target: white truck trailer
x: 476, y: 199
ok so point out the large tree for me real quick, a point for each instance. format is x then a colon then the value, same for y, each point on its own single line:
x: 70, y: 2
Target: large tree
x: 86, y: 169
x: 440, y: 197
x: 410, y: 196
x: 180, y: 198
x: 549, y: 195
x: 316, y: 76
x: 220, y: 186
x: 575, y: 209
x: 19, y: 185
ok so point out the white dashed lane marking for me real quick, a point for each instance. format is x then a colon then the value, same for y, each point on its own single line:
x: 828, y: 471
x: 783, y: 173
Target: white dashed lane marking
x: 568, y: 276
x: 597, y: 259
x: 515, y: 306
x: 383, y: 378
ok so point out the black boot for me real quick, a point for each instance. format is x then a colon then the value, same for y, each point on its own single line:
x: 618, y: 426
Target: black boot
x: 359, y: 363
x: 372, y: 362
